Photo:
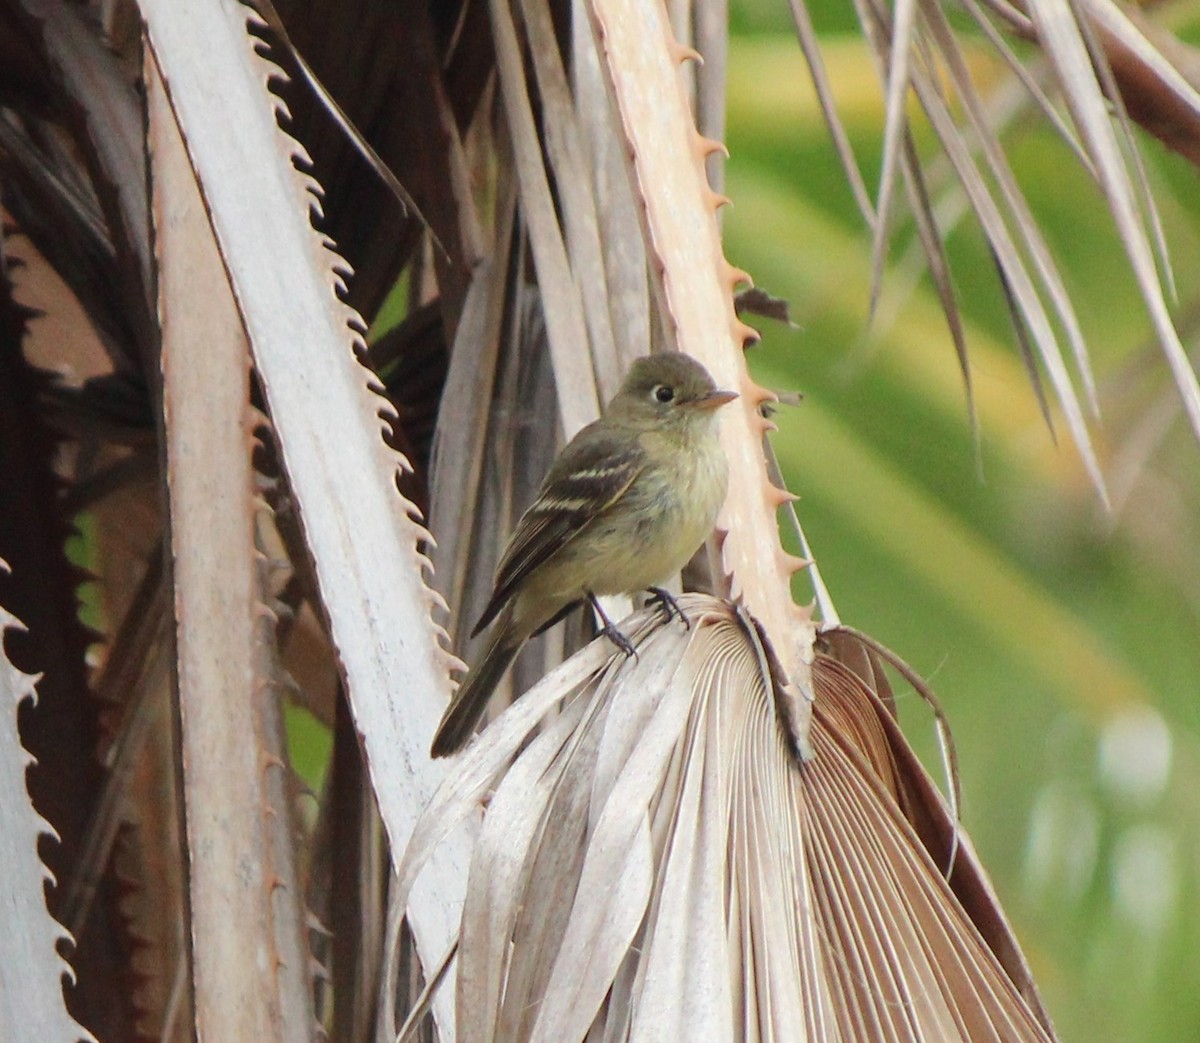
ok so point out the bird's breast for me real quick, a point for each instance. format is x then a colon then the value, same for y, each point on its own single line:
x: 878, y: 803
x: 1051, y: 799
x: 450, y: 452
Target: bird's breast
x: 651, y: 532
x: 666, y: 515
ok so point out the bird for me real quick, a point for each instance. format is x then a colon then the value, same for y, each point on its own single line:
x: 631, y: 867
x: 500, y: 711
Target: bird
x: 626, y: 503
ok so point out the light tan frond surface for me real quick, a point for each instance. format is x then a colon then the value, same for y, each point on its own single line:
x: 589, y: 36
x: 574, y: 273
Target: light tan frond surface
x: 31, y: 997
x: 305, y: 342
x: 656, y: 865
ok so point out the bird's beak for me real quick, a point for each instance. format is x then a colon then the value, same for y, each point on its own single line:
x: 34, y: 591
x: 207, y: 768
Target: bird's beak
x: 713, y: 400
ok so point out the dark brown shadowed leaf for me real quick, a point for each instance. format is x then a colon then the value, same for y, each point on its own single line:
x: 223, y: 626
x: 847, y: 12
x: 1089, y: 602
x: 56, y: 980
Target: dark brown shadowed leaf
x: 756, y: 301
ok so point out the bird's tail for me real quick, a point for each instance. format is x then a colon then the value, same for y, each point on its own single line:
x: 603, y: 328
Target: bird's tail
x: 473, y: 694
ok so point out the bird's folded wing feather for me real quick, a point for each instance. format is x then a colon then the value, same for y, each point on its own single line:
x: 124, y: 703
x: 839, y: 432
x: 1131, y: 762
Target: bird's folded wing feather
x: 589, y: 476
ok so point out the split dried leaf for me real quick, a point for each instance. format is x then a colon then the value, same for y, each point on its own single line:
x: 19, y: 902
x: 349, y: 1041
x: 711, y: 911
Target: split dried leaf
x: 657, y: 864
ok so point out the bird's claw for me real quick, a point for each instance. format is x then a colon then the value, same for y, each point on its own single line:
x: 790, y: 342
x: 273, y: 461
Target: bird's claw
x: 620, y: 640
x: 670, y: 607
x: 609, y: 629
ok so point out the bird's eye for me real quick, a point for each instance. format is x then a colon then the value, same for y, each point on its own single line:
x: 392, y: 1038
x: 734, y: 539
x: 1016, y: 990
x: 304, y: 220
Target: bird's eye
x: 663, y: 393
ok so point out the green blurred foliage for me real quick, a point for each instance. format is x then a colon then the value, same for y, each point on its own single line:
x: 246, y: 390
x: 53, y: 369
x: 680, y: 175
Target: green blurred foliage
x: 81, y: 552
x: 310, y: 746
x: 1062, y: 641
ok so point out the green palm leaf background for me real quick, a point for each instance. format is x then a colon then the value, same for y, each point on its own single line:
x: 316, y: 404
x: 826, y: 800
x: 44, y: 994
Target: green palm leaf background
x: 1063, y: 640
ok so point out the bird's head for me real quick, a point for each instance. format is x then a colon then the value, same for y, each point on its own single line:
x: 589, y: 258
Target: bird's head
x: 668, y: 390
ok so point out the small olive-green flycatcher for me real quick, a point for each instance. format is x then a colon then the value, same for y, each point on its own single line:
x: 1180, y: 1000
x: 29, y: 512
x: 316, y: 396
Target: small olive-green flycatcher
x: 626, y: 504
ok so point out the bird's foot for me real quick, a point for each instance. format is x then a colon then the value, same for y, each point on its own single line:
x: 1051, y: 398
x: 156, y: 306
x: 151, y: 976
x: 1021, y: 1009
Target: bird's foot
x: 670, y: 607
x: 610, y: 631
x: 620, y: 640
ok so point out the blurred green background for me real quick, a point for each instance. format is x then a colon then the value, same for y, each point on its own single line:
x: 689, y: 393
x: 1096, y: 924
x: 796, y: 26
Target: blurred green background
x: 1063, y: 641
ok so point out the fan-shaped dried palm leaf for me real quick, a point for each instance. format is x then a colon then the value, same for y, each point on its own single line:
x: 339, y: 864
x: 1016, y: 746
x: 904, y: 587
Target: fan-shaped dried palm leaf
x: 657, y: 865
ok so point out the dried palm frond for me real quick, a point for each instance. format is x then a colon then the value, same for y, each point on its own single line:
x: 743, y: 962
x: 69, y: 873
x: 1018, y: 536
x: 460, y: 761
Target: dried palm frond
x: 656, y: 864
x: 916, y: 49
x: 93, y: 185
x: 278, y: 282
x: 693, y: 285
x: 31, y: 999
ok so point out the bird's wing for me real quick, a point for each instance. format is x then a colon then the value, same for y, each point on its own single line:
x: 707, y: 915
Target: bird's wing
x: 589, y: 476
